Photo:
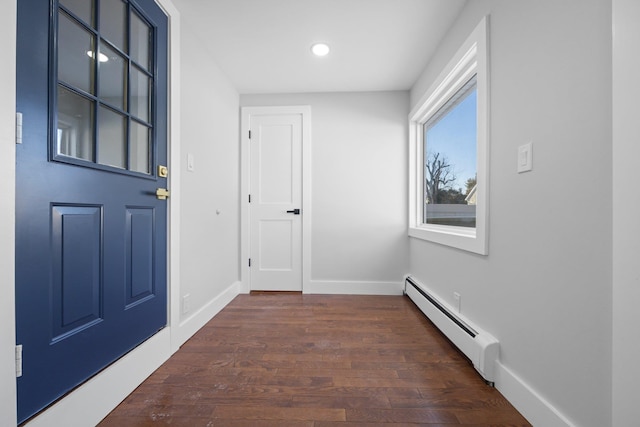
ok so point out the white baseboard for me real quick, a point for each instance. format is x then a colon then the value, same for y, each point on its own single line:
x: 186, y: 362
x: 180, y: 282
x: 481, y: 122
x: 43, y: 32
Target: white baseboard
x: 91, y: 402
x: 353, y: 287
x: 535, y: 408
x: 197, y: 320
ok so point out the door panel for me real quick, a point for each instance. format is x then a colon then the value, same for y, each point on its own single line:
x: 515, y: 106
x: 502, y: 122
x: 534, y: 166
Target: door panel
x: 275, y: 164
x: 276, y: 187
x: 90, y: 234
x: 77, y: 254
x: 139, y: 255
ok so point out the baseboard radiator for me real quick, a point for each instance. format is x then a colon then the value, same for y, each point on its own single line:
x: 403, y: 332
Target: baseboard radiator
x: 479, y: 346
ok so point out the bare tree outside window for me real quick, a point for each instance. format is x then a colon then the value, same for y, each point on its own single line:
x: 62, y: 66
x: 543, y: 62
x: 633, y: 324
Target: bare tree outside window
x: 439, y: 177
x: 440, y: 193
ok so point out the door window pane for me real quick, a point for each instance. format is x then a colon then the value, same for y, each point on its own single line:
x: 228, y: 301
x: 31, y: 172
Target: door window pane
x: 83, y: 9
x: 112, y: 74
x: 140, y: 100
x: 140, y: 41
x: 76, y: 50
x: 140, y: 148
x: 74, y: 130
x: 112, y: 138
x: 450, y: 139
x: 113, y: 22
x: 105, y: 69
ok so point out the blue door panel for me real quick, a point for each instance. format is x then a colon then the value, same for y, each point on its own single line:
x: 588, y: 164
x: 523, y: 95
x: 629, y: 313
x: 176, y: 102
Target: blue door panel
x: 77, y: 260
x: 139, y: 255
x: 90, y: 241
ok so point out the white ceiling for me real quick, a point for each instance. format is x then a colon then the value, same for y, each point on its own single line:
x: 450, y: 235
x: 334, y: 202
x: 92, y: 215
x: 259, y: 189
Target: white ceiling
x: 264, y: 45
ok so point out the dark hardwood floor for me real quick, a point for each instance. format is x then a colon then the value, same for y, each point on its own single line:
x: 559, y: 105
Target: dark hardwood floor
x: 283, y: 360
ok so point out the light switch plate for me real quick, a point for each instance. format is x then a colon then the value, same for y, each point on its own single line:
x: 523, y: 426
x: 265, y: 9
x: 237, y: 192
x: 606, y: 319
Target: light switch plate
x: 190, y: 163
x: 525, y: 158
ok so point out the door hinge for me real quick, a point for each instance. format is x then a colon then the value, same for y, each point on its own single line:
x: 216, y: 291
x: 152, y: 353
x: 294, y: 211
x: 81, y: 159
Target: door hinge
x: 18, y: 361
x: 249, y: 198
x: 18, y: 128
x: 249, y: 262
x: 249, y: 133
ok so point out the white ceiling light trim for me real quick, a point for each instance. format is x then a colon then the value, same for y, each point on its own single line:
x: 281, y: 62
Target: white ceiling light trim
x: 320, y: 49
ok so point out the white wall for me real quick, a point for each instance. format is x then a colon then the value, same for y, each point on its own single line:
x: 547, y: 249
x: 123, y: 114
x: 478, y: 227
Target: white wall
x: 7, y: 215
x: 358, y: 196
x: 209, y: 260
x: 544, y: 290
x: 626, y: 227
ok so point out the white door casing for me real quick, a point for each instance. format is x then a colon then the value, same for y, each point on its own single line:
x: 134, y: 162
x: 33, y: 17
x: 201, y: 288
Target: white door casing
x: 274, y: 147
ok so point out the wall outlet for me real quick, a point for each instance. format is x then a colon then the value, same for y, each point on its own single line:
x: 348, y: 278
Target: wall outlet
x: 186, y: 303
x: 458, y: 299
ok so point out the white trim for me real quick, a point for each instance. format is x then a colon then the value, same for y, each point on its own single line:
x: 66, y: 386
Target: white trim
x: 331, y: 287
x: 191, y: 325
x: 472, y: 58
x: 245, y: 180
x: 175, y: 170
x: 535, y: 408
x: 245, y: 166
x: 625, y: 290
x: 8, y: 415
x: 92, y: 401
x: 306, y: 197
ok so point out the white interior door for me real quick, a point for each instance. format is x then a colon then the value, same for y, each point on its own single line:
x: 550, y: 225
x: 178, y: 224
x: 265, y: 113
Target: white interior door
x: 276, y: 201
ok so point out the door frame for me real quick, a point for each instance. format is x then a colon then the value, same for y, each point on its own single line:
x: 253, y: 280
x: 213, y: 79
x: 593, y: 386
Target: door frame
x: 98, y: 396
x: 245, y: 180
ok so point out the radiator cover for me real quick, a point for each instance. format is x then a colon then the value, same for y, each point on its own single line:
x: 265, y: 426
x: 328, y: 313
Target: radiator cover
x: 478, y: 345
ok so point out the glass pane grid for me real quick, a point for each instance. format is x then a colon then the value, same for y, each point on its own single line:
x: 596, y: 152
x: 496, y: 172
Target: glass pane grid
x: 76, y: 53
x: 81, y: 10
x: 140, y: 148
x: 112, y: 138
x: 112, y: 75
x: 141, y: 41
x: 75, y: 125
x: 113, y: 23
x: 117, y: 84
x: 140, y: 95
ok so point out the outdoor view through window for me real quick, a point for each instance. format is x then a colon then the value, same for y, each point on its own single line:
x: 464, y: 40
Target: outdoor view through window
x: 450, y: 167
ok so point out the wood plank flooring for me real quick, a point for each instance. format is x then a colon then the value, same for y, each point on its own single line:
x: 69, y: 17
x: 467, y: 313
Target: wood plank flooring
x: 271, y: 359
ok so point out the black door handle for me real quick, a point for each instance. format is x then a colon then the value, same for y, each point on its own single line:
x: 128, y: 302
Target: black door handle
x: 295, y: 211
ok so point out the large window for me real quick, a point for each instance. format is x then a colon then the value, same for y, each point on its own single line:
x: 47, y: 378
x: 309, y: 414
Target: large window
x: 449, y: 152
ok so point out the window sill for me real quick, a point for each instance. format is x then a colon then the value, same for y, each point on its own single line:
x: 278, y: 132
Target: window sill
x: 466, y: 239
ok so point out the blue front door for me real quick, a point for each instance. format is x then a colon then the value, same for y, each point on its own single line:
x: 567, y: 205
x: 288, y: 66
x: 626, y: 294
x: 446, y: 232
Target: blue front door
x: 90, y: 231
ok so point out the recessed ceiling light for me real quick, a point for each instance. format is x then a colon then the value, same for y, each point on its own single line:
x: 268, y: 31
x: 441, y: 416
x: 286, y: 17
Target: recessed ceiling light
x: 320, y: 49
x: 101, y: 56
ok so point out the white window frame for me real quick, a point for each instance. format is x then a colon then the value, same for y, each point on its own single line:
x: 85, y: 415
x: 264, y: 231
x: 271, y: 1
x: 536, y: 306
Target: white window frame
x: 471, y: 59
